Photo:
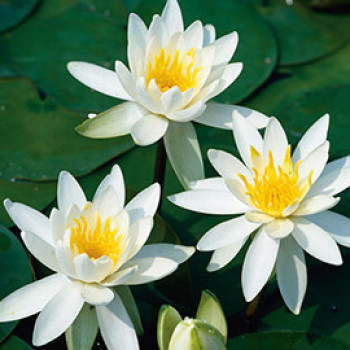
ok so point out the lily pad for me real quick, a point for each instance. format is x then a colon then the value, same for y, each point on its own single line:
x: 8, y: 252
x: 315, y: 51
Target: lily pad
x: 14, y: 343
x: 13, y: 12
x: 304, y: 35
x: 15, y: 271
x: 38, y: 138
x: 257, y: 47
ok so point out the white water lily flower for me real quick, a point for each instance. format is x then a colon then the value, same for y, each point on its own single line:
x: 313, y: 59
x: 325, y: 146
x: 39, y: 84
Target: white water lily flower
x: 285, y: 202
x: 92, y: 247
x: 173, y: 73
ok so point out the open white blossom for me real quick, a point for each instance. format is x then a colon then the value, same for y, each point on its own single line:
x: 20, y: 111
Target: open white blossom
x: 94, y: 248
x: 285, y: 202
x: 172, y: 74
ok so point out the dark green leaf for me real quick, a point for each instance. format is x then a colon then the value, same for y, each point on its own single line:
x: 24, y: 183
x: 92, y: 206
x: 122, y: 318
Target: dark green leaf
x: 14, y: 343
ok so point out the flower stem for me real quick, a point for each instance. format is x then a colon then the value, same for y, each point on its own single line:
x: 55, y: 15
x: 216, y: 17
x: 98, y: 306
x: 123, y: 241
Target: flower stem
x: 159, y: 169
x: 252, y: 308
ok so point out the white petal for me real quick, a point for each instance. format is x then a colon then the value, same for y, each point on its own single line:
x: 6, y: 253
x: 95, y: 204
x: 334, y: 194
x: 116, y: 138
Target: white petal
x: 57, y: 223
x: 188, y: 114
x: 193, y: 36
x: 258, y: 264
x: 337, y: 164
x: 65, y: 259
x: 222, y: 256
x: 116, y: 327
x: 316, y: 204
x: 95, y: 294
x: 69, y: 193
x: 139, y: 233
x: 275, y: 140
x: 246, y: 135
x: 145, y: 99
x: 116, y: 121
x: 137, y: 32
x: 175, y: 252
x: 172, y: 17
x: 258, y: 216
x: 219, y: 115
x: 116, y: 180
x: 227, y: 165
x: 338, y: 226
x: 230, y: 74
x: 149, y: 269
x: 238, y: 191
x: 225, y: 48
x: 208, y: 34
x: 31, y: 298
x: 119, y: 277
x: 158, y: 31
x: 291, y: 274
x: 227, y: 233
x: 184, y: 153
x: 331, y: 182
x: 149, y: 129
x: 209, y: 202
x: 314, y: 162
x: 88, y: 271
x: 316, y: 241
x: 41, y: 250
x: 126, y: 79
x: 57, y: 315
x: 98, y: 78
x: 211, y: 183
x: 144, y: 203
x: 29, y: 219
x: 279, y: 228
x: 107, y: 203
x: 313, y: 138
x: 173, y: 100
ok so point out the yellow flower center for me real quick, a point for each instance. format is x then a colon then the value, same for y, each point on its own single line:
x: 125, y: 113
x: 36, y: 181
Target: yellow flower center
x: 178, y: 71
x: 97, y: 241
x: 273, y: 191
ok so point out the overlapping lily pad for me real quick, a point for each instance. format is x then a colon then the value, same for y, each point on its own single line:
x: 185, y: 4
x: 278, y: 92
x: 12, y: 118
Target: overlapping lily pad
x: 15, y: 271
x: 38, y: 139
x: 14, y: 343
x: 13, y: 12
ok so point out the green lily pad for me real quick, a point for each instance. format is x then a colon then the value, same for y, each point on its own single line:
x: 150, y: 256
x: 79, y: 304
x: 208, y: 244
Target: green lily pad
x: 284, y: 340
x: 15, y: 271
x: 38, y: 138
x: 14, y: 343
x: 36, y: 195
x: 304, y: 35
x: 257, y: 52
x: 59, y: 32
x: 13, y: 12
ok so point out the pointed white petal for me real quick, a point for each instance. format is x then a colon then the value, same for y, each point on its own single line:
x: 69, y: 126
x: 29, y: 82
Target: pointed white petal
x: 172, y: 17
x: 144, y: 203
x: 314, y: 162
x: 313, y: 138
x: 337, y: 164
x: 209, y: 202
x: 57, y: 223
x: 95, y: 294
x: 219, y: 115
x: 31, y: 298
x: 57, y: 315
x: 41, y: 250
x: 229, y: 75
x: 338, y: 226
x: 69, y: 193
x: 193, y: 36
x: 212, y: 183
x: 184, y: 153
x: 98, y: 78
x: 116, y: 121
x: 222, y: 256
x: 116, y: 327
x: 149, y: 269
x: 119, y: 277
x: 29, y: 219
x: 188, y: 114
x: 126, y: 79
x: 208, y: 34
x: 246, y: 135
x: 316, y: 241
x: 116, y: 180
x: 149, y: 129
x: 275, y: 140
x: 145, y: 99
x: 258, y: 216
x: 65, y: 259
x: 175, y: 252
x: 291, y: 274
x: 225, y: 48
x: 279, y: 228
x: 226, y: 233
x: 107, y: 203
x: 173, y: 100
x: 316, y: 204
x: 238, y: 191
x: 227, y: 165
x: 86, y: 269
x: 258, y: 264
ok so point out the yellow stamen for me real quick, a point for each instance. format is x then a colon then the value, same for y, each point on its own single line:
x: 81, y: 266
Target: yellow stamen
x: 273, y: 191
x: 97, y: 241
x: 178, y: 71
